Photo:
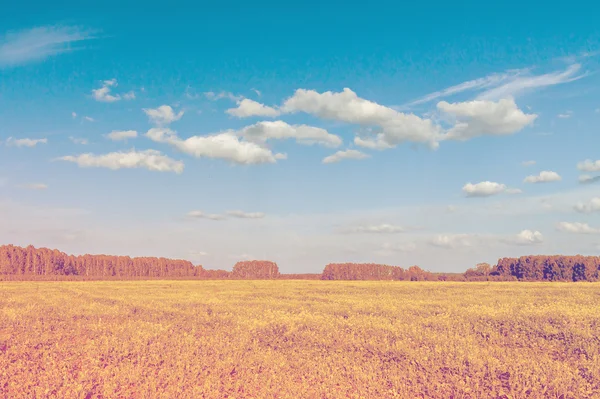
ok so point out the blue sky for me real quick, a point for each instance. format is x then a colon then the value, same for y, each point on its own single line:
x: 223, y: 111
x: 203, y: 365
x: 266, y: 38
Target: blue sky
x: 440, y: 135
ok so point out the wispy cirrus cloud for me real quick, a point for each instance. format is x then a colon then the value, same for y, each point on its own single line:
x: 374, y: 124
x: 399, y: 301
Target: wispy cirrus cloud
x: 36, y: 44
x: 510, y: 83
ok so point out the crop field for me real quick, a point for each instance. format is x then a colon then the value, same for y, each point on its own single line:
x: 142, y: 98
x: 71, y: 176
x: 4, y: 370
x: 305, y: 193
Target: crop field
x: 299, y: 339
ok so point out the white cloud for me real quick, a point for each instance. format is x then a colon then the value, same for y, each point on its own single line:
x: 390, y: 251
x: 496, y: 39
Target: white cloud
x: 224, y: 94
x: 37, y: 44
x: 246, y: 215
x: 514, y: 191
x: 452, y: 241
x: 528, y: 163
x: 247, y: 108
x: 226, y: 146
x: 527, y: 237
x: 149, y: 159
x: 202, y: 215
x: 279, y: 130
x: 492, y: 80
x: 89, y: 119
x: 480, y: 118
x: 587, y: 179
x: 589, y: 166
x: 347, y: 154
x: 592, y: 206
x: 35, y: 186
x: 521, y: 84
x: 25, y: 142
x: 346, y: 106
x: 376, y: 229
x: 78, y: 140
x: 74, y: 115
x: 129, y: 95
x: 483, y: 189
x: 120, y: 135
x: 194, y: 253
x: 545, y: 176
x: 103, y: 93
x: 577, y: 228
x: 163, y: 115
x: 565, y: 115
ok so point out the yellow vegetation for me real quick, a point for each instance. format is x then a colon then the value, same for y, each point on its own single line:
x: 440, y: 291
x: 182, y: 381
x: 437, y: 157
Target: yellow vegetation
x: 299, y: 339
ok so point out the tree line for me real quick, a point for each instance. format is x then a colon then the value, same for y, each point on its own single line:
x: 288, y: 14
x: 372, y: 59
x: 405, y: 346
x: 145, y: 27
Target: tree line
x: 46, y: 264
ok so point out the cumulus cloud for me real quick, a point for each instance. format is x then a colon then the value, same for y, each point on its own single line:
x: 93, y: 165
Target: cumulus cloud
x: 129, y: 95
x: 279, y: 130
x: 227, y: 146
x: 150, y: 159
x: 483, y: 189
x: 589, y: 166
x: 247, y: 108
x: 375, y: 229
x: 25, y: 142
x: 481, y: 118
x: 527, y: 237
x: 163, y: 115
x: 102, y: 94
x: 577, y: 228
x: 346, y: 106
x: 592, y: 206
x: 120, y: 135
x: 452, y: 241
x: 347, y: 154
x: 246, y: 215
x: 545, y: 176
x: 38, y: 44
x: 34, y: 186
x: 202, y: 215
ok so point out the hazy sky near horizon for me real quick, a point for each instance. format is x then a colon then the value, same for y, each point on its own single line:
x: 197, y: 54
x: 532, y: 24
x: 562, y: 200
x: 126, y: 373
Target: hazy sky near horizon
x: 441, y: 135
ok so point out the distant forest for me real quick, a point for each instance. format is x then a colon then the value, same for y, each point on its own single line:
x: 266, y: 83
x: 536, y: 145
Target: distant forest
x: 18, y: 263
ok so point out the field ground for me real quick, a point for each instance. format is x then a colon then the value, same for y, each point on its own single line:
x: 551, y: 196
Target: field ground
x: 299, y: 339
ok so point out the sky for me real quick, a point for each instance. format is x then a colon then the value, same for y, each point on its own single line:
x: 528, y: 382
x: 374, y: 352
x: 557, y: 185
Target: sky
x: 438, y: 135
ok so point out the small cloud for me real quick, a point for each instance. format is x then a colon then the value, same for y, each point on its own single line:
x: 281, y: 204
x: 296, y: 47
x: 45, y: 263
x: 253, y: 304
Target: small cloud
x: 150, y: 159
x: 120, y: 135
x: 514, y: 191
x: 347, y: 154
x: 202, y: 215
x: 194, y: 253
x: 103, y: 93
x: 212, y: 96
x: 129, y: 95
x: 450, y: 209
x: 74, y: 115
x: 375, y: 229
x: 565, y: 115
x: 247, y: 108
x: 577, y: 228
x: 89, y: 119
x: 483, y: 189
x: 258, y: 93
x: 589, y: 166
x: 592, y: 206
x: 34, y: 186
x: 77, y: 140
x: 545, y: 176
x: 528, y: 163
x: 587, y: 179
x: 526, y: 237
x: 246, y: 215
x: 25, y: 142
x: 163, y: 115
x: 451, y: 241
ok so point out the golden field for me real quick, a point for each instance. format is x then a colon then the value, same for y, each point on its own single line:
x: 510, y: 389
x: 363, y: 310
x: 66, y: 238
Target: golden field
x: 299, y: 339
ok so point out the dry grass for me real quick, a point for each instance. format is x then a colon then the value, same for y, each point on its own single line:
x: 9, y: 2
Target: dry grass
x: 299, y: 339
